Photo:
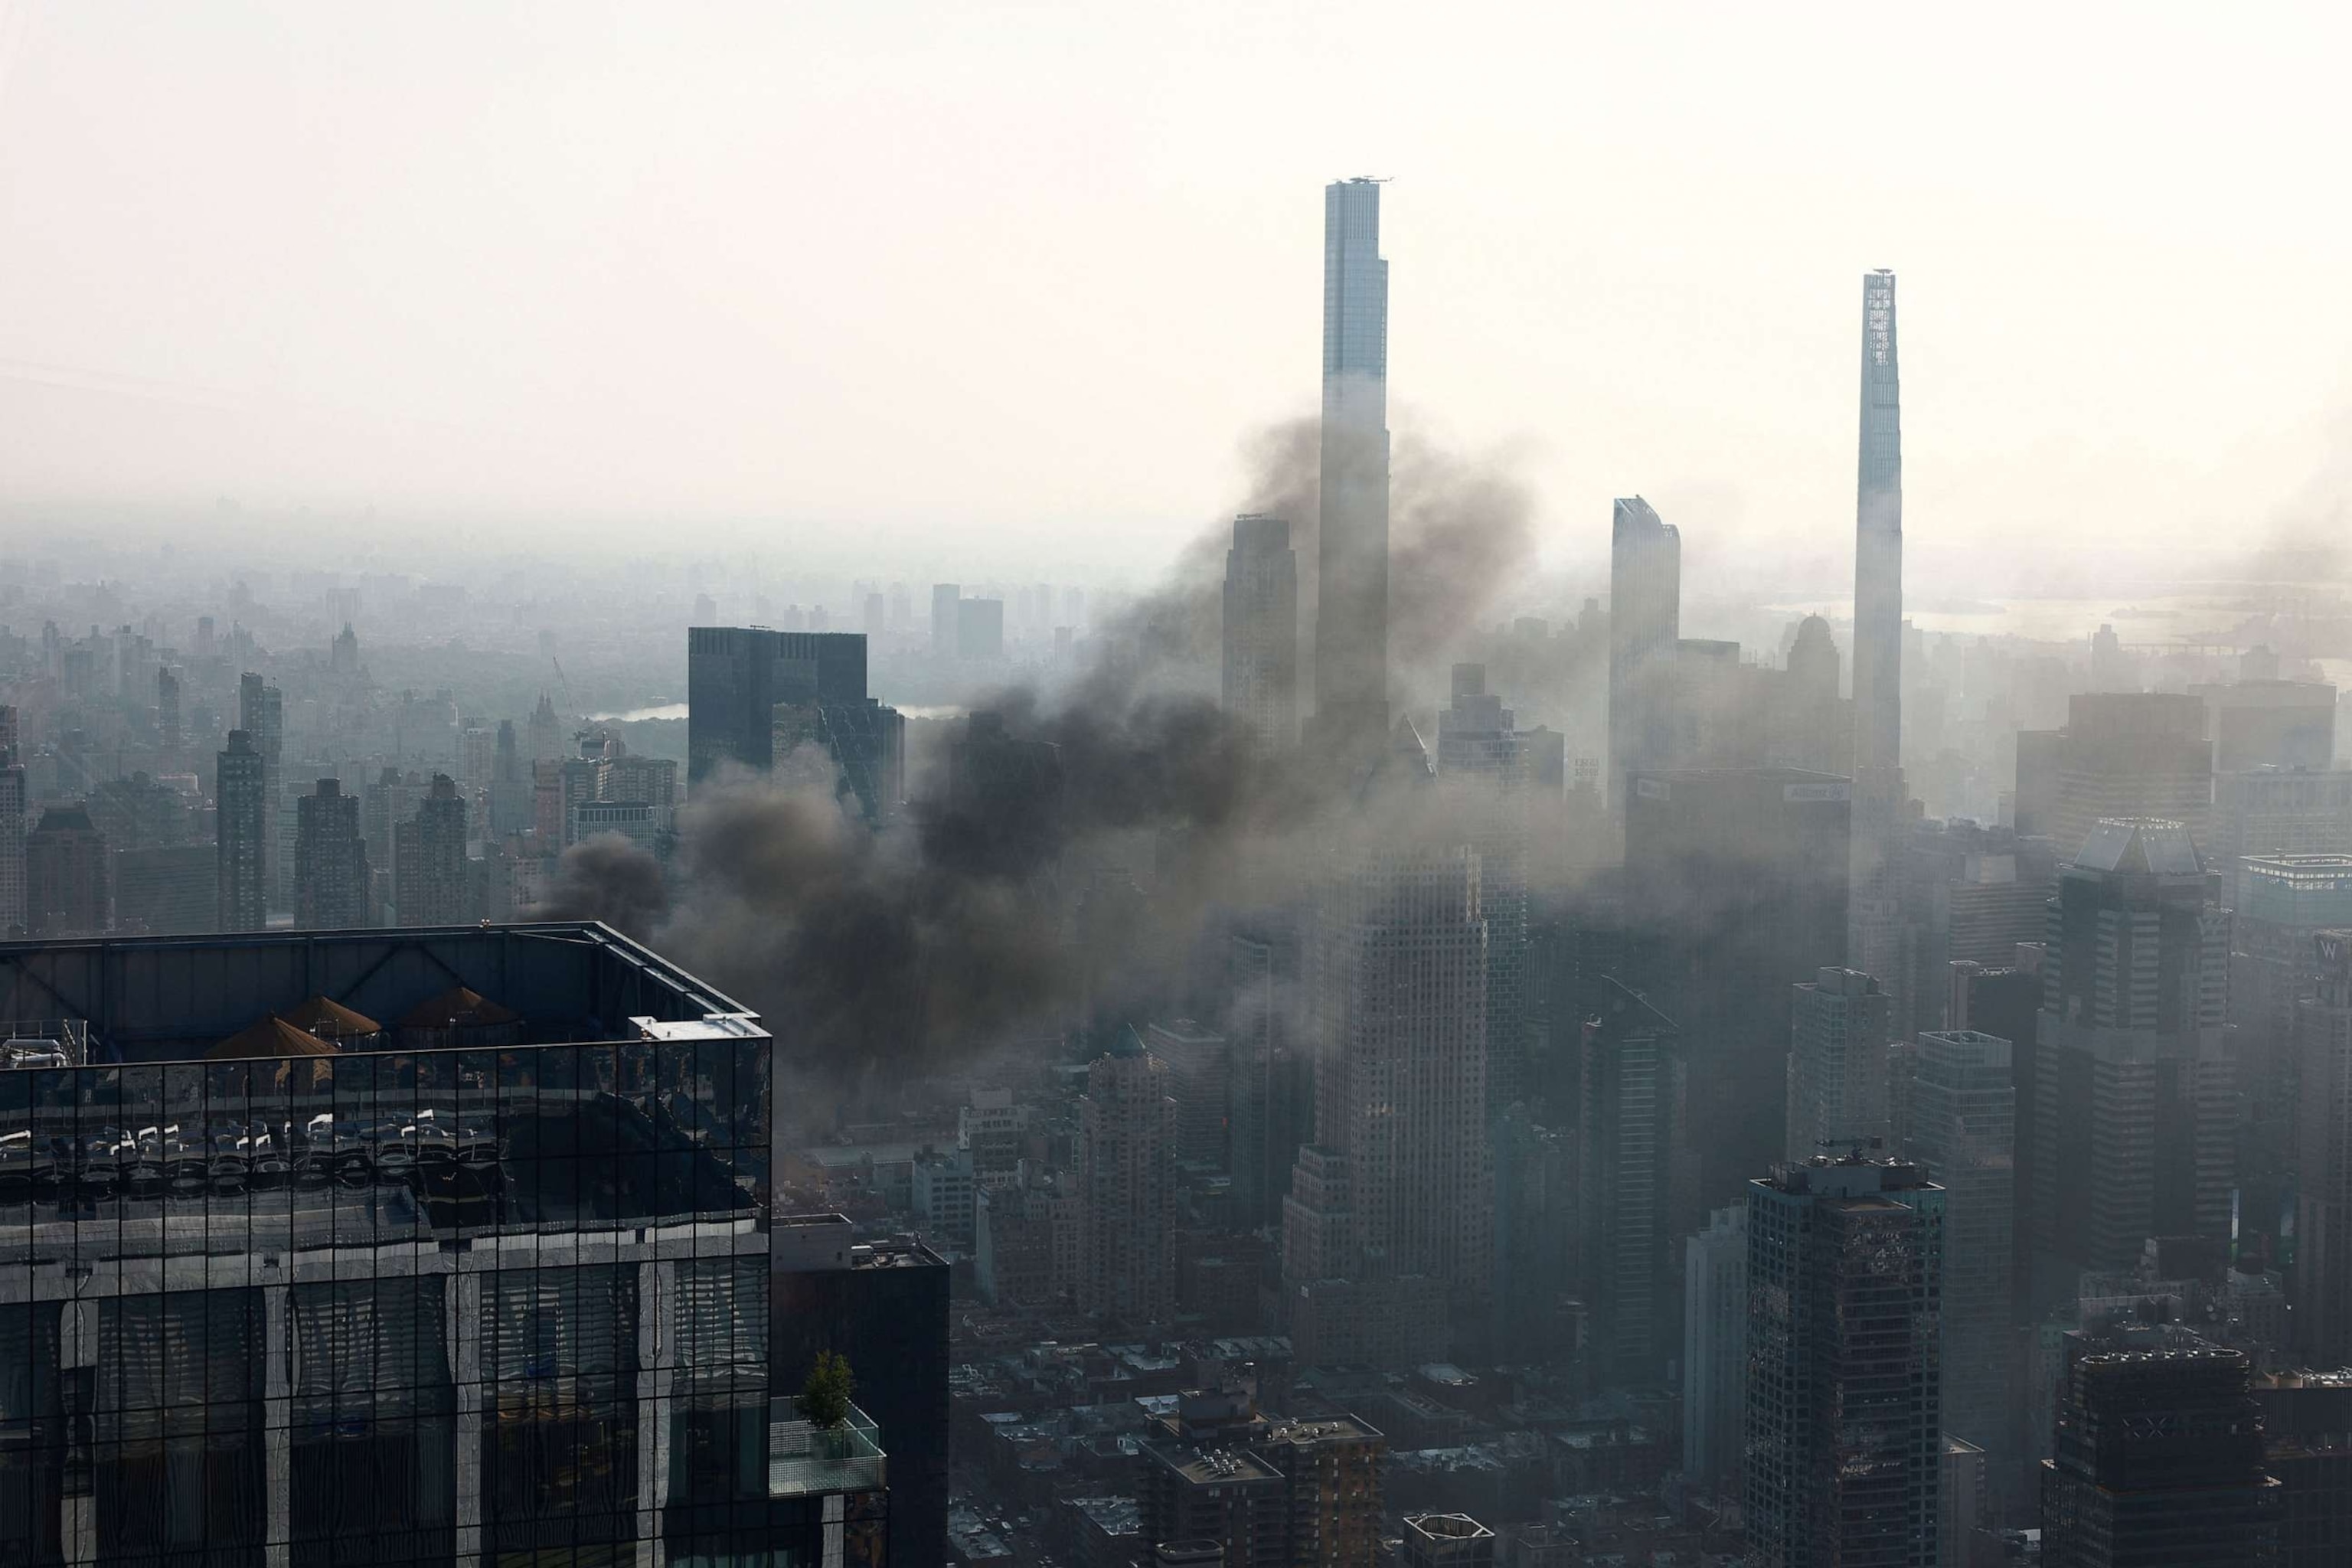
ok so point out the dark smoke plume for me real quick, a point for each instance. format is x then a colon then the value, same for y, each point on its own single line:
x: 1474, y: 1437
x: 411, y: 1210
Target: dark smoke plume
x: 878, y: 956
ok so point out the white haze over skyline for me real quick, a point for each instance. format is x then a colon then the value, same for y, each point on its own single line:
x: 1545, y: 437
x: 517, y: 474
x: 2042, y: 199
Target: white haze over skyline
x: 1003, y: 290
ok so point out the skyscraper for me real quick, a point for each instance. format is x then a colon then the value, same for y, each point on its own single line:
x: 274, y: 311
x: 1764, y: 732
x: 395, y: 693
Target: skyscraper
x: 242, y: 787
x: 1630, y: 1147
x: 1399, y: 1182
x: 946, y: 625
x: 735, y: 676
x: 1271, y: 1104
x: 65, y: 890
x: 2131, y: 754
x: 1261, y: 630
x: 429, y: 884
x: 1481, y: 768
x: 1645, y: 593
x: 167, y: 709
x: 2133, y: 1085
x: 1878, y: 550
x: 1351, y: 614
x: 1963, y: 1133
x: 261, y: 713
x: 1127, y: 1182
x: 2158, y: 1458
x: 330, y: 865
x: 1845, y: 1271
x: 1837, y: 1062
x: 1734, y: 889
x: 1715, y: 1350
x: 1872, y: 909
x: 2323, y: 1157
x: 11, y: 826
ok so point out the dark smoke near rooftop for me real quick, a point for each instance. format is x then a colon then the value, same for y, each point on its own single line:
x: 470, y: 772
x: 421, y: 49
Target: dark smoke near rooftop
x: 878, y: 954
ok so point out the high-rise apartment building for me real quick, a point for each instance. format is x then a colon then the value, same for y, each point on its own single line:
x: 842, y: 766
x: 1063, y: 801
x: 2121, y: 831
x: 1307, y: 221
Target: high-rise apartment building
x: 1351, y: 585
x: 66, y: 890
x: 1845, y: 1270
x: 1645, y: 593
x: 1873, y: 910
x: 2158, y: 1459
x: 13, y: 802
x: 1963, y: 1134
x: 2133, y: 1115
x: 1633, y: 1191
x: 1837, y: 1064
x: 509, y: 1334
x: 1715, y: 1352
x: 331, y: 863
x: 242, y: 833
x: 1734, y: 889
x: 1878, y: 546
x: 2323, y: 1156
x: 1260, y: 685
x: 1126, y: 1181
x: 261, y: 713
x: 429, y: 884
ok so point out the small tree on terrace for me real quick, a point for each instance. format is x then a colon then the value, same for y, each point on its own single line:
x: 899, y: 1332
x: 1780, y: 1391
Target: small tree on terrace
x: 824, y: 1398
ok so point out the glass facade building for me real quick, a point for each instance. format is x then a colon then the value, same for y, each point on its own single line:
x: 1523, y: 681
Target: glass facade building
x: 491, y: 1291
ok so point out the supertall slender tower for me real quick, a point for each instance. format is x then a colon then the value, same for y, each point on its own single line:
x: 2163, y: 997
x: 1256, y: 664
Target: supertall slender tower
x: 1878, y: 789
x: 1351, y: 615
x: 1878, y: 543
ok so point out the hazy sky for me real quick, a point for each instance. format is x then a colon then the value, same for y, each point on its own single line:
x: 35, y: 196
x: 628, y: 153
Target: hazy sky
x: 1002, y: 287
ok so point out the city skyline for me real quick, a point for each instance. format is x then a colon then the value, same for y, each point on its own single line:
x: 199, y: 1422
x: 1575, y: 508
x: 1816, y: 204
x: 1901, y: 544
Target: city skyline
x: 1362, y: 1025
x: 1607, y: 357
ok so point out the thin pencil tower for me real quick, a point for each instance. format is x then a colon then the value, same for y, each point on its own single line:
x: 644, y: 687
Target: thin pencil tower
x: 1351, y: 610
x: 1879, y: 788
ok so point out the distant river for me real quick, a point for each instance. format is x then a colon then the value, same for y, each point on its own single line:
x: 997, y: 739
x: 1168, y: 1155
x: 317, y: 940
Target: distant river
x: 639, y: 715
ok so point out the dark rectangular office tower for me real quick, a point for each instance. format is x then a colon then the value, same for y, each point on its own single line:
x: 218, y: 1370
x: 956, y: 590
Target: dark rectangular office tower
x: 1260, y: 675
x: 2157, y: 1459
x: 1735, y: 891
x: 1845, y: 1268
x: 884, y: 1306
x: 736, y: 677
x: 404, y: 1248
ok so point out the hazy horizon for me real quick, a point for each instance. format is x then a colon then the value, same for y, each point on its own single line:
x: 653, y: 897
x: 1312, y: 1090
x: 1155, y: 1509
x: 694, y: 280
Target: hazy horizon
x: 955, y: 292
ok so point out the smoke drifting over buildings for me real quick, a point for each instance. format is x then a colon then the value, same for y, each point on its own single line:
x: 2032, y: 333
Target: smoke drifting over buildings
x: 875, y: 950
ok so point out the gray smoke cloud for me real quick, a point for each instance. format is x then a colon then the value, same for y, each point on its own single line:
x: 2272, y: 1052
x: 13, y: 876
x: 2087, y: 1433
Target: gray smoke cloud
x: 1460, y: 533
x: 876, y: 956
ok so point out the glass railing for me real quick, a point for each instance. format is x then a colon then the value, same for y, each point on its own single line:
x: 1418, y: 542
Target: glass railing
x: 803, y: 1458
